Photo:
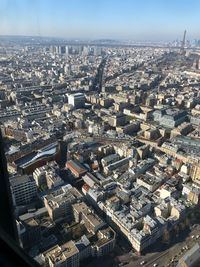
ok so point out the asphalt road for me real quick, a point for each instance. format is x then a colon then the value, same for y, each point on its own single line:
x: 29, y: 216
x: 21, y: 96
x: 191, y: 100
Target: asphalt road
x: 175, y: 251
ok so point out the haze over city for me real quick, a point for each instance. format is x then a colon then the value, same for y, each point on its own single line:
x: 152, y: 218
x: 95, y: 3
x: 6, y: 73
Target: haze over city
x: 89, y: 19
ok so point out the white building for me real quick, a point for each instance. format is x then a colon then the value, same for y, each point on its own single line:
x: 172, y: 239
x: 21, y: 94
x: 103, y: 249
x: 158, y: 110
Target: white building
x: 77, y: 100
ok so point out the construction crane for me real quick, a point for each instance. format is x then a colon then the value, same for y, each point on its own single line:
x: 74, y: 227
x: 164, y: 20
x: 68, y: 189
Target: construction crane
x: 183, y: 43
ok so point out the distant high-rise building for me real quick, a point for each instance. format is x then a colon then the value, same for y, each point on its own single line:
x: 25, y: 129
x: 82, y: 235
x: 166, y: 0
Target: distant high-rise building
x: 61, y: 49
x: 85, y: 51
x: 183, y: 42
x: 52, y: 49
x: 97, y: 51
x: 66, y: 50
x: 56, y: 49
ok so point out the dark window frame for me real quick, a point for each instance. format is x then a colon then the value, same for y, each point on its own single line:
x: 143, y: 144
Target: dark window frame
x: 11, y: 254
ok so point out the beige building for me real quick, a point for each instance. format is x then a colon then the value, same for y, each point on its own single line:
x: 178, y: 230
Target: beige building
x: 143, y: 151
x: 53, y: 180
x: 91, y: 220
x: 118, y: 119
x: 195, y: 173
x: 148, y: 181
x: 162, y: 210
x: 106, y: 242
x: 177, y: 210
x: 182, y: 129
x: 167, y: 191
x: 59, y: 202
x: 152, y: 134
x: 66, y: 255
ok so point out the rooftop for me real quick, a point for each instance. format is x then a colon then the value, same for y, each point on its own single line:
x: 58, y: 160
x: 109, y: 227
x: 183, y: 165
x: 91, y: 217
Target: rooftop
x: 59, y: 254
x: 75, y: 165
x: 20, y: 179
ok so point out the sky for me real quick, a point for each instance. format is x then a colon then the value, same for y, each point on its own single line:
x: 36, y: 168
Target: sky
x: 101, y: 19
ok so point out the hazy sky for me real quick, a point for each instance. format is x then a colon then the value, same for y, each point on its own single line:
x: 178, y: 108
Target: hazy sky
x: 127, y: 19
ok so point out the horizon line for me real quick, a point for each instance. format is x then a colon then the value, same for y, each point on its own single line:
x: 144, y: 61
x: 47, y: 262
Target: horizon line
x: 91, y: 39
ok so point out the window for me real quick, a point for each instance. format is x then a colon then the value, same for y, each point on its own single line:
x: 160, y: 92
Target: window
x: 99, y: 122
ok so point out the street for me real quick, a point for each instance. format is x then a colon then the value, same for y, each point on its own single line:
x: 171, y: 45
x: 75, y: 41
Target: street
x: 171, y: 255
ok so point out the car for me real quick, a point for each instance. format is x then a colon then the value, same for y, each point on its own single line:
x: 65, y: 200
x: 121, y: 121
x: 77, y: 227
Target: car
x: 197, y: 236
x: 142, y: 262
x: 155, y: 264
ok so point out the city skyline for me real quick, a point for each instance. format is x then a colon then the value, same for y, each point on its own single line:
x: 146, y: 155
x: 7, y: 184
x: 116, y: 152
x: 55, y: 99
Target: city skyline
x: 135, y: 20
